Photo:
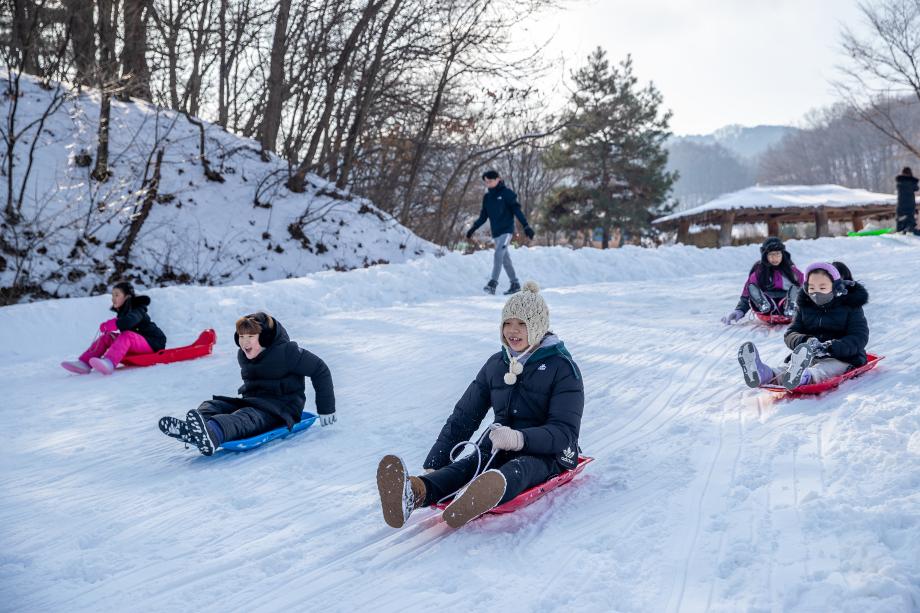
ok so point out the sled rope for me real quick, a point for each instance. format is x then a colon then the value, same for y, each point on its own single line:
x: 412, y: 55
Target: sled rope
x: 475, y: 445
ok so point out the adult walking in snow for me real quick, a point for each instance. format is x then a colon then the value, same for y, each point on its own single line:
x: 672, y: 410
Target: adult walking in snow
x: 500, y: 206
x: 907, y: 206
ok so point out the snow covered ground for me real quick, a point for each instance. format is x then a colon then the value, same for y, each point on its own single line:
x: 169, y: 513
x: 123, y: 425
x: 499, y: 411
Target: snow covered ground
x: 705, y: 496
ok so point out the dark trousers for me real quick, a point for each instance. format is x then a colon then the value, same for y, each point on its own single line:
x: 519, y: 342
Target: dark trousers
x: 907, y: 222
x: 237, y: 422
x: 521, y: 472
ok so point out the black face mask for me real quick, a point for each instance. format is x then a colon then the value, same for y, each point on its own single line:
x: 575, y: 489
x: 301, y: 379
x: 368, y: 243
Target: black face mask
x: 820, y: 298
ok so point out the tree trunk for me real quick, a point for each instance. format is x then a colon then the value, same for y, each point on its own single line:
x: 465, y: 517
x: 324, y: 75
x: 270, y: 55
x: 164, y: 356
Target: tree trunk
x: 134, y: 52
x: 83, y: 40
x: 137, y: 221
x: 25, y: 34
x: 271, y: 119
x: 295, y: 183
x: 370, y: 78
x: 101, y: 169
x: 107, y: 18
x: 222, y: 70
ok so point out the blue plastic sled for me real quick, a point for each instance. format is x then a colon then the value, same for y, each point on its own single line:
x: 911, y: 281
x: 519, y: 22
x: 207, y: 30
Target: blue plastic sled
x: 245, y: 444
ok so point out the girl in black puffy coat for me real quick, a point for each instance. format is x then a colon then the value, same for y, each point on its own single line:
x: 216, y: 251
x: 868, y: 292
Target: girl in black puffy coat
x: 828, y: 336
x: 130, y: 332
x: 535, y: 390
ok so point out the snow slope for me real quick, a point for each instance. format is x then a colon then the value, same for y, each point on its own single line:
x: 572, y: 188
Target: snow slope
x: 248, y: 227
x: 705, y: 496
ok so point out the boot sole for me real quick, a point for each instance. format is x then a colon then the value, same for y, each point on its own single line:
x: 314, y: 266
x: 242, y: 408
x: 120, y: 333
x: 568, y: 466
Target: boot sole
x: 801, y: 359
x: 198, y: 432
x: 391, y: 484
x: 170, y: 426
x: 482, y: 495
x: 748, y: 360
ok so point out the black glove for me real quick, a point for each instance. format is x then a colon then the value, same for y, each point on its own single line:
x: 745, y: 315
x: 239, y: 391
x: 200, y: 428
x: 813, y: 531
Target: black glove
x: 529, y: 231
x: 469, y: 234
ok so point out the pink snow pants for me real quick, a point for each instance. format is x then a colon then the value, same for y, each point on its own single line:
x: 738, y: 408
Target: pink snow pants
x: 116, y: 346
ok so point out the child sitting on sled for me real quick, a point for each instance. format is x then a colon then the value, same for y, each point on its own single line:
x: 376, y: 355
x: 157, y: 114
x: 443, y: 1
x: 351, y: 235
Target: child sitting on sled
x: 828, y: 336
x: 536, y: 392
x: 772, y: 286
x: 129, y: 332
x: 273, y: 368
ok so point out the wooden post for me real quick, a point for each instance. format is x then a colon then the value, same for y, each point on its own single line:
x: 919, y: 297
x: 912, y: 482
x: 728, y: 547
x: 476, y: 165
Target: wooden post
x: 821, y: 227
x: 683, y: 231
x: 725, y: 228
x: 857, y: 222
x: 772, y: 227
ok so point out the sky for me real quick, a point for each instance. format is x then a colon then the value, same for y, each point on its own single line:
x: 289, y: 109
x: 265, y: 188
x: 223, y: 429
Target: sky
x: 716, y: 62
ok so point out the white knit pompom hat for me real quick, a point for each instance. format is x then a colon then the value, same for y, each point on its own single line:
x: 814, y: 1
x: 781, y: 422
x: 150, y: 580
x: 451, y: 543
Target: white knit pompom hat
x: 528, y: 306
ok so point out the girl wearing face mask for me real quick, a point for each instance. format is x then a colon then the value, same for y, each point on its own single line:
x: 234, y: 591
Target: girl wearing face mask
x: 828, y: 336
x: 772, y: 286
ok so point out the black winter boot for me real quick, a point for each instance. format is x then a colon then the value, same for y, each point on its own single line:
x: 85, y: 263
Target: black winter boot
x: 758, y: 300
x: 490, y: 287
x: 193, y: 431
x: 515, y: 288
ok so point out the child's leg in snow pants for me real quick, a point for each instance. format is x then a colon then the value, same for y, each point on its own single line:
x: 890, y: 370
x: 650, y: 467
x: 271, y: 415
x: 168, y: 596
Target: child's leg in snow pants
x: 521, y: 472
x: 236, y: 422
x: 116, y: 346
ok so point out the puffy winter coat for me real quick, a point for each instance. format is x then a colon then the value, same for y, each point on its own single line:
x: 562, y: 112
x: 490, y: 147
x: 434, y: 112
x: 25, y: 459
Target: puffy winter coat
x: 500, y: 206
x: 273, y: 381
x: 907, y: 186
x: 132, y: 317
x: 842, y: 321
x: 545, y: 404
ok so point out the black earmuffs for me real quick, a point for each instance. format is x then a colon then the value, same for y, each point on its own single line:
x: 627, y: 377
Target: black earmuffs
x: 266, y: 334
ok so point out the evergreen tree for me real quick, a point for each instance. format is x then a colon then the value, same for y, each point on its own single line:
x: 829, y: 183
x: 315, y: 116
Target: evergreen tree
x: 613, y: 145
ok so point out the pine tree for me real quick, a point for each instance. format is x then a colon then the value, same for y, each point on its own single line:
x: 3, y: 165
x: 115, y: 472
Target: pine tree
x: 613, y: 145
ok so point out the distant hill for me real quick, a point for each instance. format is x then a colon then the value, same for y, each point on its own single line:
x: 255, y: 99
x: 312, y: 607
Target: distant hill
x: 747, y: 143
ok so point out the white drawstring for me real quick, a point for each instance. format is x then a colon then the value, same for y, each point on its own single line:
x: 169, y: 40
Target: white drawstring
x: 478, y: 460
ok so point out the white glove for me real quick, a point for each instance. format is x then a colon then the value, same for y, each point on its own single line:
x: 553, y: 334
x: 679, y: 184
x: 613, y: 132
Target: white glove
x: 506, y: 439
x: 327, y: 420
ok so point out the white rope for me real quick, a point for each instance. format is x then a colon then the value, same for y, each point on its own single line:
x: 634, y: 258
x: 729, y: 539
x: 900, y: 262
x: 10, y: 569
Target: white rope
x: 475, y: 445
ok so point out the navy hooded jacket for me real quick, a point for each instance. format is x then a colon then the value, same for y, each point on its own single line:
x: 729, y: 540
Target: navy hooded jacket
x: 545, y: 404
x: 500, y: 206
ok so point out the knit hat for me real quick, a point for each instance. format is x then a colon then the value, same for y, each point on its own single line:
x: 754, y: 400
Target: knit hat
x: 528, y: 306
x: 490, y: 174
x: 772, y: 243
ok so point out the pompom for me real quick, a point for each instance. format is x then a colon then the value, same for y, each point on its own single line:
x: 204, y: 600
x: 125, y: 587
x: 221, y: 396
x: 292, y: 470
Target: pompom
x: 510, y: 378
x: 531, y: 286
x: 516, y: 367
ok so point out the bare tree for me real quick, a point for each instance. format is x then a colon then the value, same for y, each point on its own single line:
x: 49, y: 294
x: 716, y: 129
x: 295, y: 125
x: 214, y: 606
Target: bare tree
x: 883, y: 73
x: 134, y: 68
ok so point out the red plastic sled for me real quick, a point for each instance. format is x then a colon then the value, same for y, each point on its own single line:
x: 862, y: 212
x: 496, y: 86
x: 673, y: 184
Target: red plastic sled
x: 202, y: 346
x: 773, y: 320
x: 817, y: 388
x: 536, y: 492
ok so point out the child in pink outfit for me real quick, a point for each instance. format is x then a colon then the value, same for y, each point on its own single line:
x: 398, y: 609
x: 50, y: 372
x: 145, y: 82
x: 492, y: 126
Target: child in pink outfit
x: 130, y: 332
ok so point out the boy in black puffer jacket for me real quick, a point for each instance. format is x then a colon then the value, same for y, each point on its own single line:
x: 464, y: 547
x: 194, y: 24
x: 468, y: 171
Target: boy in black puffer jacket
x: 272, y: 395
x: 828, y: 336
x: 536, y: 392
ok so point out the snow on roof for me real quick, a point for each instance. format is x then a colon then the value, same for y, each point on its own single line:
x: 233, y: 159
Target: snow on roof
x: 787, y: 196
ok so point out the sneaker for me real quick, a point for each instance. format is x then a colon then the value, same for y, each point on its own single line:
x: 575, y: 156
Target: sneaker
x: 192, y: 430
x: 103, y: 365
x: 791, y: 304
x: 801, y: 358
x: 515, y: 288
x: 758, y: 300
x: 400, y: 494
x: 481, y: 496
x: 77, y: 367
x: 756, y: 373
x: 490, y: 287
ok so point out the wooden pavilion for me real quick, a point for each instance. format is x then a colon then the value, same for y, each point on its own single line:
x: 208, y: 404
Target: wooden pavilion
x: 777, y: 204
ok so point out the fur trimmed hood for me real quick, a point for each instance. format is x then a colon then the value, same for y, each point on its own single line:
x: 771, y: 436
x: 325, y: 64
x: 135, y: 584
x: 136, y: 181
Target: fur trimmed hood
x: 857, y: 296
